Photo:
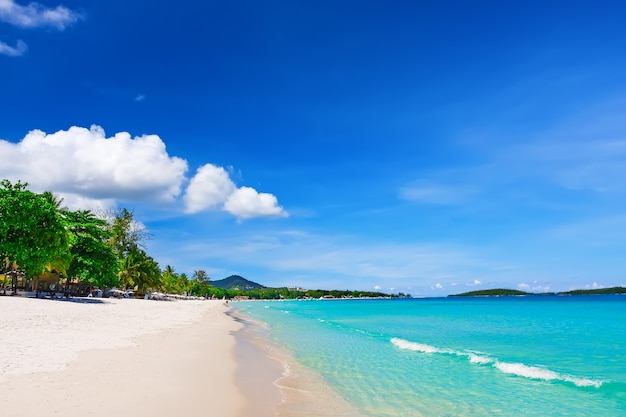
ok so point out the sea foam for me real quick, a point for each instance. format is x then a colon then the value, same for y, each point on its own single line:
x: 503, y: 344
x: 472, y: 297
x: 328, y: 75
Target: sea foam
x: 518, y: 369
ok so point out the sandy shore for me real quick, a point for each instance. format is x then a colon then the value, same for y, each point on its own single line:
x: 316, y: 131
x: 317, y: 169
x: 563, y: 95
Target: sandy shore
x: 304, y: 392
x: 126, y: 357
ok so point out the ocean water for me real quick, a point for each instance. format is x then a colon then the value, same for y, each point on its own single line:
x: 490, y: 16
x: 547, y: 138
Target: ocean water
x: 506, y: 356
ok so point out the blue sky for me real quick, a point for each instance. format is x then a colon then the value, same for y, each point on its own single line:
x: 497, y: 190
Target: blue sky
x: 424, y: 147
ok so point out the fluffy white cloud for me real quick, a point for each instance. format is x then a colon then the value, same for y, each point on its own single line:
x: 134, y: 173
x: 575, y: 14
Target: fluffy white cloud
x: 84, y: 162
x: 90, y: 171
x: 208, y: 189
x: 36, y: 15
x: 246, y: 202
x: 78, y: 202
x: 212, y: 188
x: 19, y: 49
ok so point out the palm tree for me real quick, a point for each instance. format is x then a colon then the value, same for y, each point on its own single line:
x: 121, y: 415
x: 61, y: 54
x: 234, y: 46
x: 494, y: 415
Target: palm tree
x: 169, y: 271
x: 54, y: 200
x: 139, y: 270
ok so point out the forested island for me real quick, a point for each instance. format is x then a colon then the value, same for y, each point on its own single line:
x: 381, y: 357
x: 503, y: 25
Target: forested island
x: 503, y: 292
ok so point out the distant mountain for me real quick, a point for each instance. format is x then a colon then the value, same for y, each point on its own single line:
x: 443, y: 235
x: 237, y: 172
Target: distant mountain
x: 236, y: 282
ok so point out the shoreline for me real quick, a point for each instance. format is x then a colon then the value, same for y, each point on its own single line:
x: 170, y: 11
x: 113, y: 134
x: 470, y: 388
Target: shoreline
x: 304, y: 392
x: 257, y: 372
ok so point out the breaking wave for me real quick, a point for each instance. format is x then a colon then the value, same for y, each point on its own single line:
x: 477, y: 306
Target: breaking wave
x: 519, y: 369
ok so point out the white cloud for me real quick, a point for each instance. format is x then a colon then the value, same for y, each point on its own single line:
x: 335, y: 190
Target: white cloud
x: 19, y: 49
x: 140, y: 97
x: 212, y: 188
x: 246, y: 202
x: 36, y: 15
x: 208, y: 189
x: 86, y: 167
x: 89, y: 170
x: 536, y: 287
x: 79, y: 202
x: 594, y: 286
x: 33, y: 16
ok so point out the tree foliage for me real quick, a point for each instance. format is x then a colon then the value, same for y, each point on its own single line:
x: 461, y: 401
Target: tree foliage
x: 37, y: 234
x: 174, y: 283
x: 126, y: 234
x: 32, y: 232
x: 137, y: 269
x: 201, y: 276
x: 93, y: 260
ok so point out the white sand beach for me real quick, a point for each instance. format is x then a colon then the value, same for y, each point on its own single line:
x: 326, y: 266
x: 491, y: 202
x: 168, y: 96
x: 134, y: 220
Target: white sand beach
x: 121, y: 357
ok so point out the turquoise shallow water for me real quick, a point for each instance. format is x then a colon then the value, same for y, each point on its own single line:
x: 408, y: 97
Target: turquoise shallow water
x: 508, y: 356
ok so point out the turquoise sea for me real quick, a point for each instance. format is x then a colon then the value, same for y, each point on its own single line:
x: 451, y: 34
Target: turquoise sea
x: 505, y: 356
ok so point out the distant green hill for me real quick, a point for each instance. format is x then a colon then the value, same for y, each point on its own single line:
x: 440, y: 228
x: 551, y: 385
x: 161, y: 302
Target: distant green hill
x: 612, y: 290
x: 491, y: 293
x: 236, y: 282
x: 498, y: 292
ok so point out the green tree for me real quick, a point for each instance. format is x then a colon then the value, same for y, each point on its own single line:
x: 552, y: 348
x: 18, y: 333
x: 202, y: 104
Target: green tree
x: 56, y: 201
x: 201, y: 276
x: 60, y: 261
x: 126, y: 233
x: 138, y: 269
x: 173, y: 283
x: 32, y: 231
x: 184, y: 284
x: 93, y: 260
x: 169, y: 271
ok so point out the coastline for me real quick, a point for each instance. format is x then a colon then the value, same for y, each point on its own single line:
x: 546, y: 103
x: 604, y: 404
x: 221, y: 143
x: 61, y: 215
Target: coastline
x: 304, y: 393
x: 119, y: 357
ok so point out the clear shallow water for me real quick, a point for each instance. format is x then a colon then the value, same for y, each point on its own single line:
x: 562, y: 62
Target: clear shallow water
x: 508, y: 356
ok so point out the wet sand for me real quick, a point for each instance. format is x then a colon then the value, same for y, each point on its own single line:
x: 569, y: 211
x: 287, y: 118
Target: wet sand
x: 304, y: 393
